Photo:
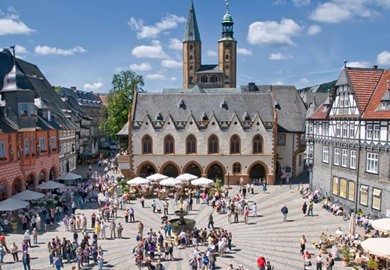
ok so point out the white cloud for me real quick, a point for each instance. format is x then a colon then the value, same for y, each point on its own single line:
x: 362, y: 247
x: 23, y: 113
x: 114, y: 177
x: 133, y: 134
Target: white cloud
x: 156, y: 76
x: 273, y: 33
x: 358, y: 64
x: 300, y: 3
x: 244, y: 51
x: 154, y: 51
x: 175, y: 44
x: 278, y: 83
x: 304, y: 82
x: 383, y: 58
x: 173, y: 79
x: 169, y: 63
x: 20, y: 49
x: 336, y: 11
x: 46, y: 50
x: 314, y: 30
x: 141, y: 67
x: 278, y: 56
x: 152, y: 31
x: 10, y: 24
x: 93, y: 86
x: 211, y: 53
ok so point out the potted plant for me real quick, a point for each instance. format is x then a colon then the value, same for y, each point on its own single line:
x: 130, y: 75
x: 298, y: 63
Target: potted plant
x: 372, y: 265
x: 345, y: 255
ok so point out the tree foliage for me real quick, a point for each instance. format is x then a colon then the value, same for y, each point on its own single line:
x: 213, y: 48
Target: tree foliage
x: 120, y: 100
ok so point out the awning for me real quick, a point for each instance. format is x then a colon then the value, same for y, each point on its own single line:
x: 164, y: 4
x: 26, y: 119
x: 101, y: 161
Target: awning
x: 376, y: 192
x: 363, y: 188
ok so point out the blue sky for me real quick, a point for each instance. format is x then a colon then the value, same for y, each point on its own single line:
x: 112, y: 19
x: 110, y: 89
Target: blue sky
x: 300, y: 42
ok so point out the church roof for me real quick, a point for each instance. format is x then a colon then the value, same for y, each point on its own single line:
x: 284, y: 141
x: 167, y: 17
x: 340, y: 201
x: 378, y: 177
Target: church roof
x: 198, y: 104
x: 209, y: 69
x: 191, y: 32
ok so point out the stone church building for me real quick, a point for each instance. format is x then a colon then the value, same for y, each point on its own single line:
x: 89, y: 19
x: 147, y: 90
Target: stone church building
x: 212, y: 129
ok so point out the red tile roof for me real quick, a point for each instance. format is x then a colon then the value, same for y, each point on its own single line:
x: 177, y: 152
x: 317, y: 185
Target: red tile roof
x: 320, y: 113
x: 372, y: 111
x: 363, y: 82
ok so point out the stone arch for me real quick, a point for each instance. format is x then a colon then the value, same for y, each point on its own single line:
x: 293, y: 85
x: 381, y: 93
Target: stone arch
x: 17, y: 186
x: 170, y: 169
x: 5, y: 190
x: 53, y: 173
x: 146, y: 168
x: 257, y: 170
x: 42, y: 176
x: 189, y: 168
x: 216, y: 170
x: 31, y: 181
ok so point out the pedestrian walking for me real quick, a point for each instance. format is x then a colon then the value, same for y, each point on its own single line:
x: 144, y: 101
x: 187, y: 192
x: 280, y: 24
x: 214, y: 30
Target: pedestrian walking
x: 254, y: 209
x: 304, y: 208
x: 132, y: 218
x: 26, y: 261
x: 14, y: 252
x: 120, y: 230
x: 211, y: 221
x: 165, y: 206
x: 319, y: 261
x: 302, y: 243
x: 113, y: 229
x: 126, y: 214
x: 311, y: 207
x: 34, y: 234
x: 261, y: 263
x: 142, y: 201
x: 154, y: 206
x: 284, y: 211
x: 246, y: 214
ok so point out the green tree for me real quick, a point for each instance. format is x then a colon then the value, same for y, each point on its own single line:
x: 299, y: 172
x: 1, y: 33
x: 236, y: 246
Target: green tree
x: 120, y: 100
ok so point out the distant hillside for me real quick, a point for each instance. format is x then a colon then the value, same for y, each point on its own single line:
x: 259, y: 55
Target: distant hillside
x: 320, y: 88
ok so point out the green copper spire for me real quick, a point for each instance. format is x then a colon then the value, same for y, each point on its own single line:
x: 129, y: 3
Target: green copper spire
x: 227, y: 23
x: 191, y: 32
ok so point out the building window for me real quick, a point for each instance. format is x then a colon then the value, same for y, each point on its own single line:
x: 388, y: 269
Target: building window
x: 344, y: 157
x: 3, y: 153
x: 236, y: 167
x: 345, y: 131
x: 376, y: 199
x: 351, y: 191
x: 226, y: 56
x: 191, y: 80
x: 204, y: 79
x: 227, y: 79
x: 257, y: 144
x: 336, y: 156
x: 42, y: 144
x: 169, y: 145
x: 191, y: 144
x: 325, y: 154
x: 364, y: 195
x: 369, y: 131
x: 214, y: 79
x: 376, y: 133
x: 352, y: 130
x: 213, y: 143
x: 372, y: 163
x: 235, y: 142
x: 352, y: 160
x: 281, y: 139
x: 147, y: 145
x: 338, y: 130
x: 343, y: 188
x: 26, y: 146
x: 335, y: 186
x: 53, y: 144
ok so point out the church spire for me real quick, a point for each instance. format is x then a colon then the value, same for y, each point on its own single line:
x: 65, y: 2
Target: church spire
x: 227, y: 23
x: 191, y: 32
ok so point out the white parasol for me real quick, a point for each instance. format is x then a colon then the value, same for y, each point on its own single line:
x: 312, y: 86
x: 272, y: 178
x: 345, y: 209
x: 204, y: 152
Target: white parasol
x: 187, y: 177
x: 171, y: 182
x: 157, y: 177
x: 202, y: 182
x: 352, y: 224
x: 28, y: 195
x: 69, y: 177
x: 138, y: 181
x: 382, y: 224
x: 12, y: 204
x: 377, y: 246
x: 50, y: 185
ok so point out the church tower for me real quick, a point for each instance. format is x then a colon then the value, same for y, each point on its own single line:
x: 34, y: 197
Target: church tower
x: 192, y: 54
x: 227, y: 51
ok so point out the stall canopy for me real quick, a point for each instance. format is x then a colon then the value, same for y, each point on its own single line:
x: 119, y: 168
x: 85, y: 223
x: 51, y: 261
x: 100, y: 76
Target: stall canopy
x: 171, y: 182
x: 382, y: 225
x: 28, y: 195
x: 12, y: 205
x: 157, y: 177
x: 138, y: 181
x: 69, y: 177
x: 50, y: 185
x: 377, y: 246
x: 187, y: 177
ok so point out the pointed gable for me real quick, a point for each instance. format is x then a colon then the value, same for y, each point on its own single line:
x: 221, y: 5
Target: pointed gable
x: 374, y: 109
x: 363, y: 83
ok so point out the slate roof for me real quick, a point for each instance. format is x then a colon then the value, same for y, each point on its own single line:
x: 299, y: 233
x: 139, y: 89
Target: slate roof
x: 6, y: 126
x: 373, y: 110
x: 191, y: 32
x: 84, y: 98
x: 197, y: 104
x: 209, y: 69
x: 363, y: 82
x: 124, y: 131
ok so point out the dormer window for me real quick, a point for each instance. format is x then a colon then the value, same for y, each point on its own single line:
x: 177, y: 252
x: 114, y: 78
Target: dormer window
x: 224, y: 105
x: 182, y: 104
x: 159, y: 117
x: 205, y: 117
x: 25, y: 108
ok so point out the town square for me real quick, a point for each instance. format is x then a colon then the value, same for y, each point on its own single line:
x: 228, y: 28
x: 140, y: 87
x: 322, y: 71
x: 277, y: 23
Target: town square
x: 185, y: 135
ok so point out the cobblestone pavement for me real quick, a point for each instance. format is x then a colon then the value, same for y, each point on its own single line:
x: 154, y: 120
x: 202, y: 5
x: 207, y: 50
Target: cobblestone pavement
x: 277, y: 241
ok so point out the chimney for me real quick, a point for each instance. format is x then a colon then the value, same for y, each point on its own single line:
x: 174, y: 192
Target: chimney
x: 375, y: 66
x: 252, y: 87
x: 74, y: 88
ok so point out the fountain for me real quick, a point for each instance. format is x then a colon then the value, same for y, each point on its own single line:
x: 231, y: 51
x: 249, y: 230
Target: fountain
x: 181, y: 223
